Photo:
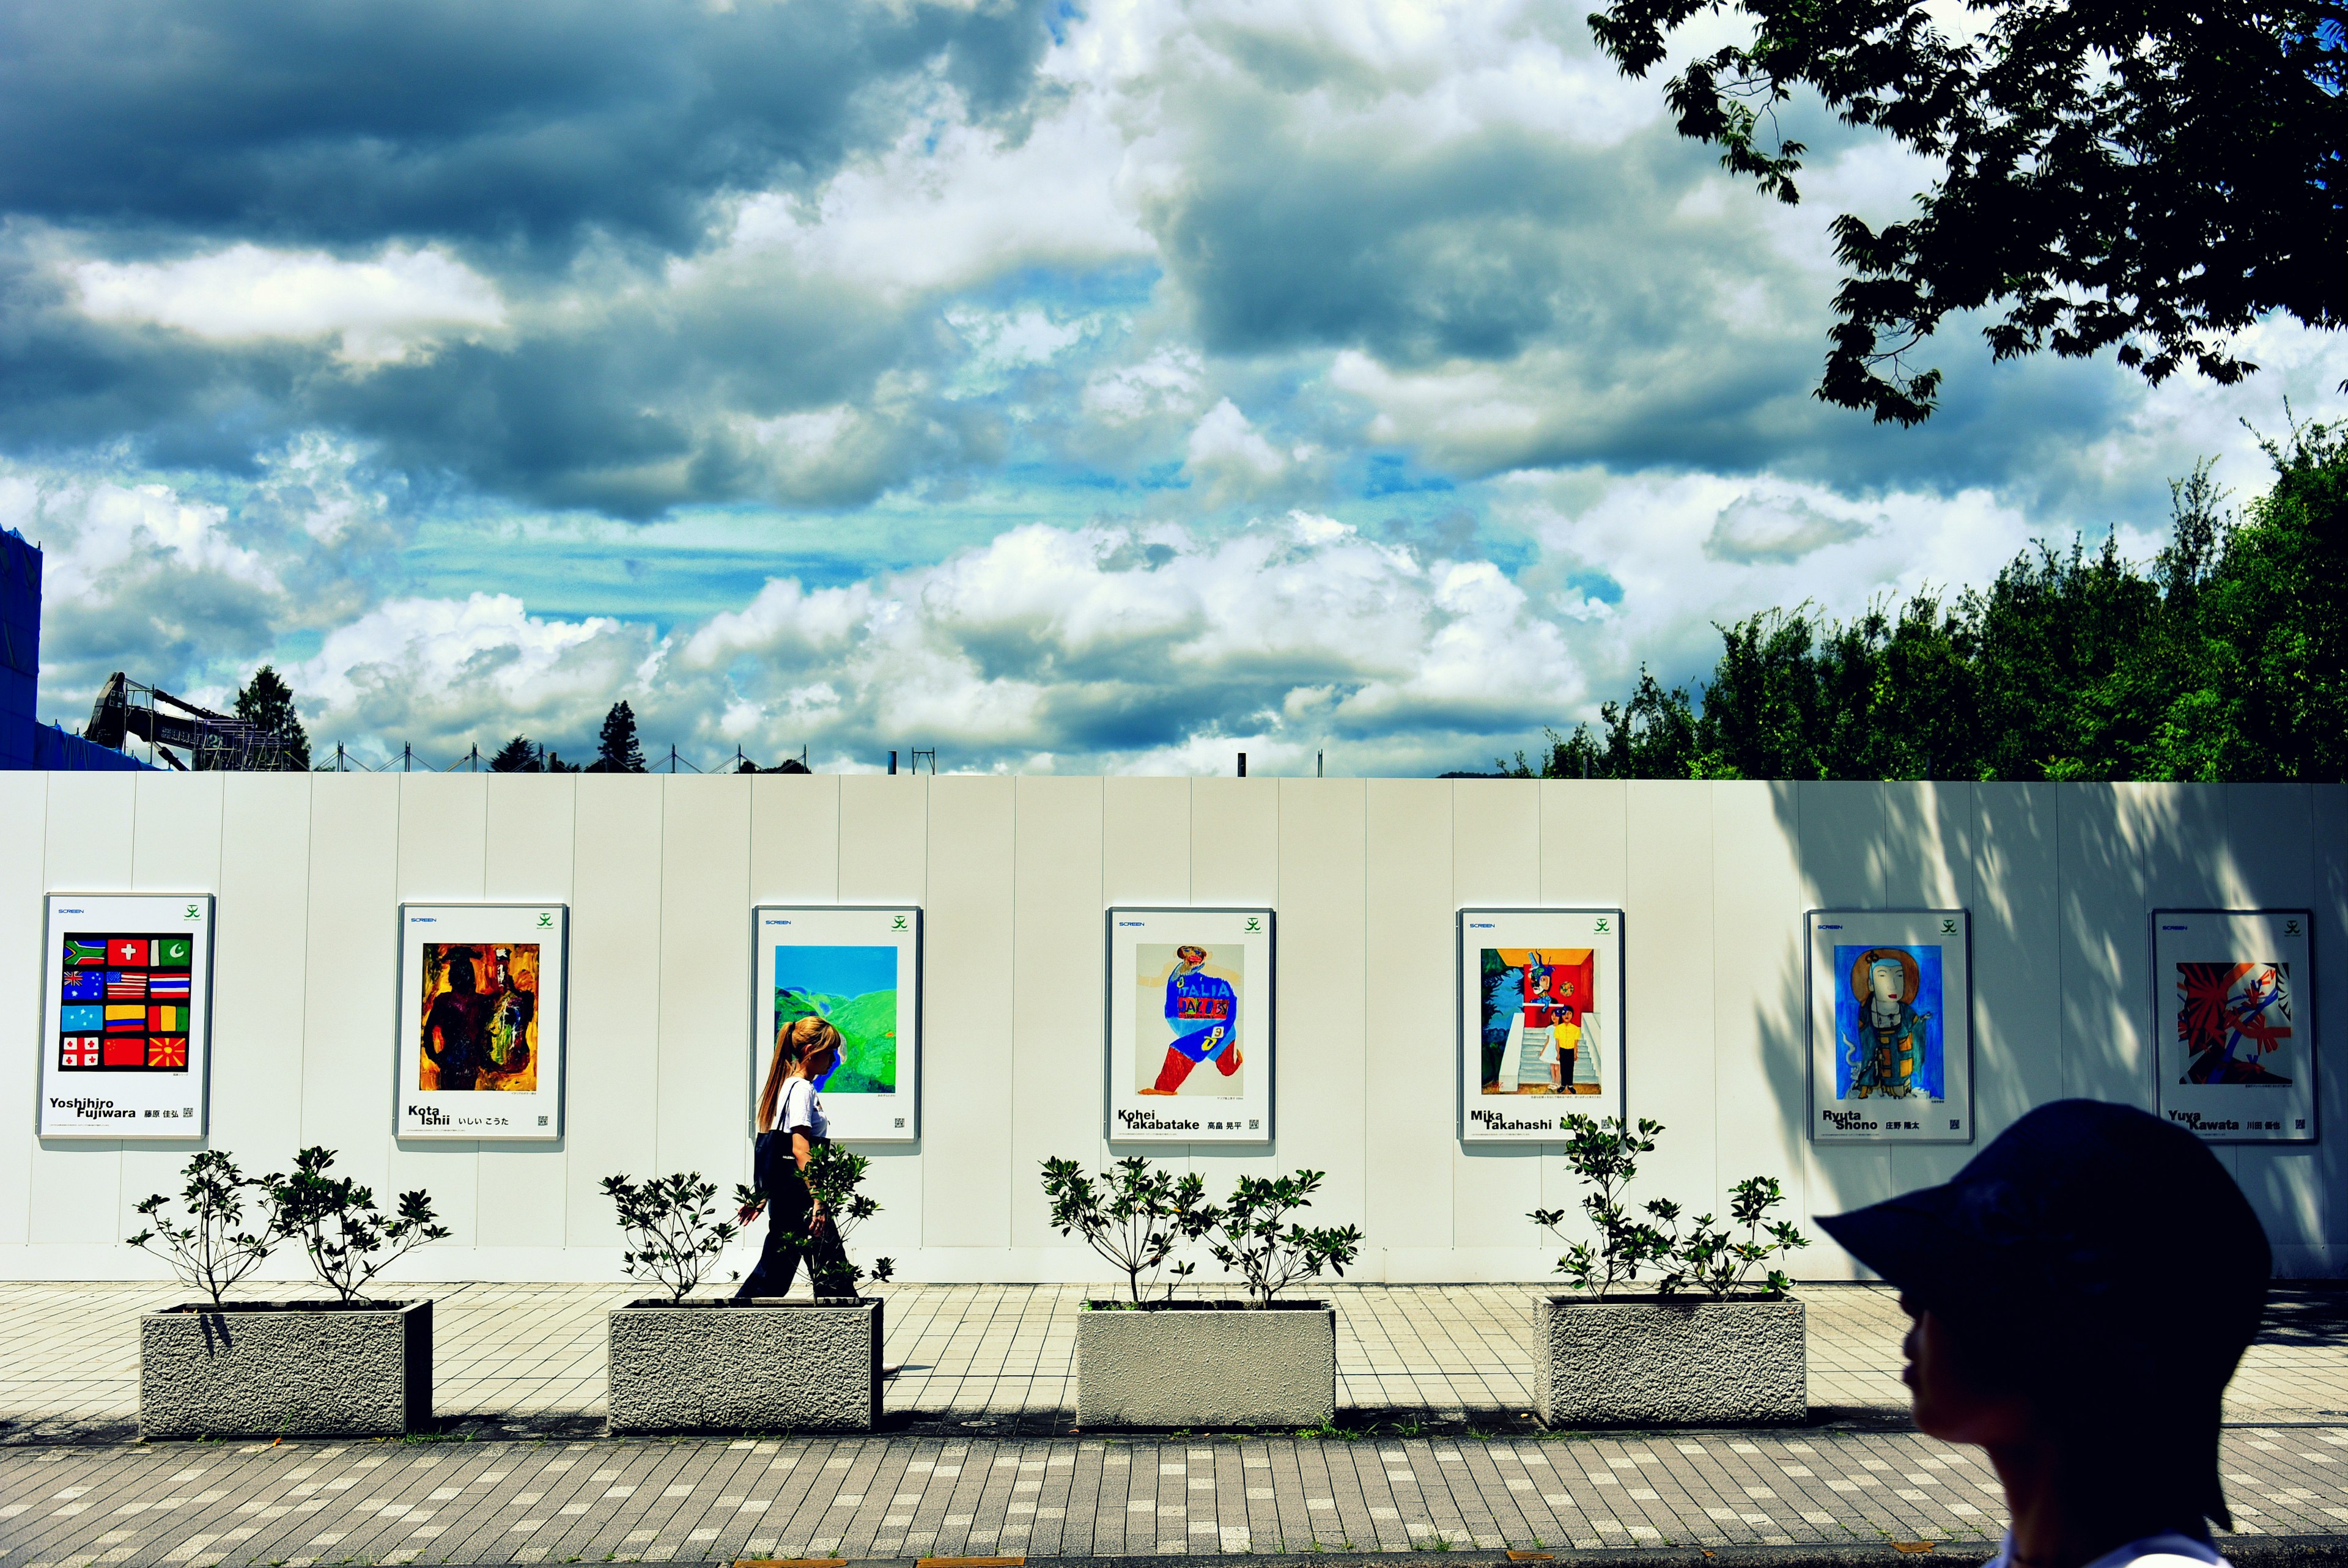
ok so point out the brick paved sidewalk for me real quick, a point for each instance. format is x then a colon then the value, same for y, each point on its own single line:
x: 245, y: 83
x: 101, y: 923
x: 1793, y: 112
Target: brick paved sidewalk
x: 518, y: 1476
x: 713, y: 1500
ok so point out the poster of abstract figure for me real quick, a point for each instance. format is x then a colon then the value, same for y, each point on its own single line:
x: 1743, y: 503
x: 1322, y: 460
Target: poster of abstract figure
x: 859, y: 970
x: 127, y: 1024
x: 2232, y: 1023
x: 480, y: 1017
x: 1189, y: 1025
x: 1195, y: 994
x: 1891, y: 1026
x: 1540, y: 1020
x: 481, y: 1020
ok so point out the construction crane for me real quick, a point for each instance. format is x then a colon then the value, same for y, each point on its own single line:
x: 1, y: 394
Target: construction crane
x: 214, y: 742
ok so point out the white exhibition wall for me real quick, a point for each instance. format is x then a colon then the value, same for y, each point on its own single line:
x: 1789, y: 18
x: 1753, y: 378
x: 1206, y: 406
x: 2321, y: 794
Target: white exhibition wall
x: 660, y: 873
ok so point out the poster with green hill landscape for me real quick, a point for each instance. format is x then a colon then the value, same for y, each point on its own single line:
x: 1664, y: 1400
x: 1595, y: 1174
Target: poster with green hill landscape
x: 855, y: 991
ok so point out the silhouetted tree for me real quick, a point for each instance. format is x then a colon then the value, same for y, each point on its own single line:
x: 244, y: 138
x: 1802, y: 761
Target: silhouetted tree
x: 616, y: 751
x: 2151, y: 177
x: 267, y: 703
x: 518, y: 756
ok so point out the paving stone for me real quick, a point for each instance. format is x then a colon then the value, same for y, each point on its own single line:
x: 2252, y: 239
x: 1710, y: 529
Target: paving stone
x: 985, y: 1366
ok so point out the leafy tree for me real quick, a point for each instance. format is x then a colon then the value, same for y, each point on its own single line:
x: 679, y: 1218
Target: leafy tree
x: 671, y: 1227
x: 1246, y: 1237
x: 340, y: 1229
x: 1604, y: 1155
x: 1134, y: 1215
x: 2220, y: 659
x: 518, y: 756
x: 616, y: 751
x: 2156, y: 177
x: 212, y: 1246
x: 266, y: 703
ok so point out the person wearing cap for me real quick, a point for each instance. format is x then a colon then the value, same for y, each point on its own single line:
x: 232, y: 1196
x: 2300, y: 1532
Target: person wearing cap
x: 2082, y: 1292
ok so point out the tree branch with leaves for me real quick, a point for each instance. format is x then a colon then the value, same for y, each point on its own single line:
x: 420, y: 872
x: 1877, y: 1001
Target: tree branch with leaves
x: 1249, y: 1241
x: 673, y: 1234
x: 2153, y: 177
x: 346, y: 1237
x: 1133, y: 1213
x: 210, y: 1246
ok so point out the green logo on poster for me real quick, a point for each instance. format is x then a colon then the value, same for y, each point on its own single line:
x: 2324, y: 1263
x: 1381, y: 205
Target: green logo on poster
x: 545, y: 920
x: 1602, y: 926
x: 1253, y: 924
x: 898, y: 924
x: 1948, y: 928
x: 192, y: 912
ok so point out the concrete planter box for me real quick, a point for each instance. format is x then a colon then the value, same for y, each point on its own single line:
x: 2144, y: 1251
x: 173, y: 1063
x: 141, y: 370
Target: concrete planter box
x: 1648, y: 1361
x: 285, y: 1368
x: 1207, y: 1364
x: 766, y: 1366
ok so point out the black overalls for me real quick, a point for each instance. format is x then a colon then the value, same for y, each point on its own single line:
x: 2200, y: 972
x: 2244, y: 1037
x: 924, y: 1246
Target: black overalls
x: 788, y: 1205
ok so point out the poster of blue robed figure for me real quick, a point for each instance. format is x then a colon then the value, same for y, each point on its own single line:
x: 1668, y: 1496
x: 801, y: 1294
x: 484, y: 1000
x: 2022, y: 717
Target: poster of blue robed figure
x: 1891, y: 1026
x: 1888, y: 1023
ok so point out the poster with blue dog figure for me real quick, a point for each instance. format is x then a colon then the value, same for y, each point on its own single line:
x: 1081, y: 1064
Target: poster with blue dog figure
x: 1890, y: 1030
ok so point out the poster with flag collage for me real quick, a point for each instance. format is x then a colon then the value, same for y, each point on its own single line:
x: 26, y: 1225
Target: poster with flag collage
x: 126, y: 1025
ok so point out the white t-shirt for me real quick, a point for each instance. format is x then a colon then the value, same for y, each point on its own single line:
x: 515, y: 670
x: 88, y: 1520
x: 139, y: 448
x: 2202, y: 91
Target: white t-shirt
x: 2168, y: 1550
x: 801, y: 1107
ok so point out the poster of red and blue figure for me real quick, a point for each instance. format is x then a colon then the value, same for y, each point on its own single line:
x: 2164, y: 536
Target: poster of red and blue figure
x: 2234, y: 1025
x: 859, y: 969
x: 1189, y: 1025
x: 1891, y: 1026
x: 128, y: 1015
x: 480, y: 1044
x: 1539, y: 1021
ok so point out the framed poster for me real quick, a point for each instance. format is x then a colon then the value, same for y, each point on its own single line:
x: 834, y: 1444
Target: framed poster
x: 480, y: 1021
x: 861, y: 970
x: 1189, y: 1025
x: 2232, y: 1023
x: 1891, y: 1037
x: 1540, y: 1021
x: 126, y: 1020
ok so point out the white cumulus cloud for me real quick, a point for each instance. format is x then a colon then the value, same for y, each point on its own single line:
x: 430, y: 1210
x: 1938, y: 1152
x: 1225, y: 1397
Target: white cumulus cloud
x: 380, y: 311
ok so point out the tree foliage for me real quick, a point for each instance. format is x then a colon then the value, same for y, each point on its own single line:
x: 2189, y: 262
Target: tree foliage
x: 616, y: 751
x: 346, y: 1237
x: 266, y: 703
x: 670, y: 1226
x: 2156, y: 177
x: 1703, y: 1255
x: 2221, y: 659
x: 211, y: 1246
x: 518, y: 755
x: 1134, y: 1215
x: 1245, y: 1236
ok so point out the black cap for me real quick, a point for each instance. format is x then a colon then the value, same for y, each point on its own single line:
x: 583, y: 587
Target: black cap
x: 2088, y: 1243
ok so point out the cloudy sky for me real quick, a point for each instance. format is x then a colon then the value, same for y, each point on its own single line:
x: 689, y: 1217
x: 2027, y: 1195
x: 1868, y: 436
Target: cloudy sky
x: 1065, y: 388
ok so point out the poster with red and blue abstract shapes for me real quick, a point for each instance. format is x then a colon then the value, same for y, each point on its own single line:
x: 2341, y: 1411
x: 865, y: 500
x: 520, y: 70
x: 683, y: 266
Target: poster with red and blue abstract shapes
x: 2233, y: 1024
x: 126, y: 1020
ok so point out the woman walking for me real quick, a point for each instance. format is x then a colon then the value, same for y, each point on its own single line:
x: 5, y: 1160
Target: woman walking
x: 791, y: 1128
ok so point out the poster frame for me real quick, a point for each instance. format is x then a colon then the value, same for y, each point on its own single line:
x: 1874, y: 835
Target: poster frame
x: 848, y: 1118
x: 1261, y: 1006
x: 1818, y: 1053
x: 128, y: 1127
x: 1613, y: 1094
x: 2163, y: 1022
x: 546, y: 1101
